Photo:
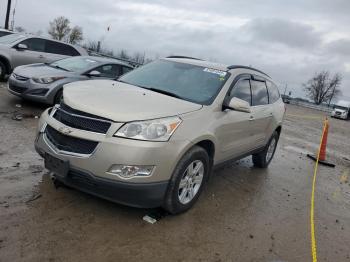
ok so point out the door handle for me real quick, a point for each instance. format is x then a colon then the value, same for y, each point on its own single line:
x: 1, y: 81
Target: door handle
x: 270, y: 115
x: 251, y: 118
x: 41, y: 56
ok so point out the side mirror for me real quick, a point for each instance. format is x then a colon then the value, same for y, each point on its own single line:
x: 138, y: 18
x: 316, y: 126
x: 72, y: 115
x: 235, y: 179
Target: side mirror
x: 238, y: 105
x: 94, y: 73
x: 22, y: 47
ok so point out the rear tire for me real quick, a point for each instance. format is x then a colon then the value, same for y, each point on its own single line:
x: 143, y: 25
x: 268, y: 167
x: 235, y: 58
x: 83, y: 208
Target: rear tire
x: 263, y: 158
x: 187, y: 181
x: 3, y: 71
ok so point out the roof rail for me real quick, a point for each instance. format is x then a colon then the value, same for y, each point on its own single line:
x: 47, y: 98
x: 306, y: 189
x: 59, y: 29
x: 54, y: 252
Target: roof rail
x: 130, y: 62
x: 246, y: 67
x: 180, y: 56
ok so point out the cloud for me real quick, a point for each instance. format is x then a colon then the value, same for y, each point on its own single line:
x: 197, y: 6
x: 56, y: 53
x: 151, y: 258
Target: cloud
x: 289, y: 33
x: 340, y: 47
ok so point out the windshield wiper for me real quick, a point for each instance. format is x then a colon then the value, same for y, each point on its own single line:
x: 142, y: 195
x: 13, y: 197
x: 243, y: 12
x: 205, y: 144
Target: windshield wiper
x: 154, y: 89
x: 58, y: 67
x: 164, y: 92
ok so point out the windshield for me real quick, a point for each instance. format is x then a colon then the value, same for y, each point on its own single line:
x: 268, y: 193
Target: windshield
x: 189, y: 82
x: 9, y: 39
x: 341, y: 107
x: 75, y: 64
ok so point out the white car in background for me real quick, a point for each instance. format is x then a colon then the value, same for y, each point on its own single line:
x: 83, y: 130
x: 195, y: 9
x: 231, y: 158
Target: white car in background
x: 341, y: 110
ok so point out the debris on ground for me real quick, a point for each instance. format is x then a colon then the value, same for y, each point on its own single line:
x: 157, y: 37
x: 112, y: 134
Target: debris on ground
x: 155, y: 215
x: 16, y: 165
x: 18, y: 105
x: 149, y: 219
x: 19, y: 117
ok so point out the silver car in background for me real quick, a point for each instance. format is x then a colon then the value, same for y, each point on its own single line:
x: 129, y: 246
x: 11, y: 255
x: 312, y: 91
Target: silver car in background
x: 23, y: 49
x: 44, y: 82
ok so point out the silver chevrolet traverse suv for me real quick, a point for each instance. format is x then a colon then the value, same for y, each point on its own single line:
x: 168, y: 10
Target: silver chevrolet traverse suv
x: 152, y: 137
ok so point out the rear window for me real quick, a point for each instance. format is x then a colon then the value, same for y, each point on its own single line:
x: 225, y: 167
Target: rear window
x: 9, y: 39
x: 274, y: 94
x: 60, y: 49
x: 259, y: 93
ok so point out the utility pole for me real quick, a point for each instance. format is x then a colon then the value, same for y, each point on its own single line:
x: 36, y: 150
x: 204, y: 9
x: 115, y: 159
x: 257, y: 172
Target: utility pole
x: 285, y: 89
x: 8, y: 14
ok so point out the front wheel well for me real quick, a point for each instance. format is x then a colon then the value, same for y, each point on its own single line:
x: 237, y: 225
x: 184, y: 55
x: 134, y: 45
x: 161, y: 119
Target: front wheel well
x: 5, y: 61
x: 279, y: 130
x: 209, y: 147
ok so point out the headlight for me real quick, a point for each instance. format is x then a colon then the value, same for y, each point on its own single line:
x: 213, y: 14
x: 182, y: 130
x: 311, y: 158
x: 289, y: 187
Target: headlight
x: 47, y: 80
x: 151, y: 130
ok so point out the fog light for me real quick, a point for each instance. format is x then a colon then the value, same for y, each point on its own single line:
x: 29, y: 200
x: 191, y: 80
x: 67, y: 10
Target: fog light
x: 130, y: 171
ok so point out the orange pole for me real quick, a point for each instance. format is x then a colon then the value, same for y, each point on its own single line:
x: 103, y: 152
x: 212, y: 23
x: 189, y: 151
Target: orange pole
x: 324, y: 142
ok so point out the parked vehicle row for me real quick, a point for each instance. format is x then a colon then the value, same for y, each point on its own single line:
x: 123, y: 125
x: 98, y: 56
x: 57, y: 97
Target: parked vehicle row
x: 152, y: 137
x: 23, y: 49
x: 44, y: 82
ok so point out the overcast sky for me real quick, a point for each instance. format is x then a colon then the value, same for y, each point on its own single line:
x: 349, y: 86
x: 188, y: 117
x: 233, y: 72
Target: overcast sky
x: 288, y: 40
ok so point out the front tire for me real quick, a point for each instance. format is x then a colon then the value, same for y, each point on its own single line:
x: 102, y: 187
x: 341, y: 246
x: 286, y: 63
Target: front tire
x: 263, y: 158
x: 2, y: 71
x: 187, y: 181
x: 58, y: 96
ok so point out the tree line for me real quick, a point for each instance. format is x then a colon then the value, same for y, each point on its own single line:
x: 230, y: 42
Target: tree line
x: 320, y: 88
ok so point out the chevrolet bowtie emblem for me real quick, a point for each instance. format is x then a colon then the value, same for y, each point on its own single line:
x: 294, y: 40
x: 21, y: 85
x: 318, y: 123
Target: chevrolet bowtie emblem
x: 65, y: 130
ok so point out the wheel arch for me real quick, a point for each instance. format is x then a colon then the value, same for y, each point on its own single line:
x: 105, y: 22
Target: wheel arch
x: 6, y: 62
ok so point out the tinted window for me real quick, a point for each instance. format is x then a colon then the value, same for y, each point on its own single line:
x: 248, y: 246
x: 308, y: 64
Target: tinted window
x: 274, y: 94
x: 189, y: 82
x: 60, y: 49
x: 2, y: 33
x: 242, y: 91
x: 110, y: 71
x: 259, y: 93
x: 35, y: 44
x: 126, y: 69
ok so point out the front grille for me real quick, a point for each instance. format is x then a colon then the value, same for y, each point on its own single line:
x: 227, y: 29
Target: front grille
x: 338, y: 113
x: 19, y: 77
x: 17, y: 89
x: 81, y: 120
x: 69, y: 143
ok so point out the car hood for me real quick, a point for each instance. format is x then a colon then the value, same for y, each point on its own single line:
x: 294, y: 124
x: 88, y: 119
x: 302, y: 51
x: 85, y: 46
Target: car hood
x: 41, y: 70
x: 123, y: 102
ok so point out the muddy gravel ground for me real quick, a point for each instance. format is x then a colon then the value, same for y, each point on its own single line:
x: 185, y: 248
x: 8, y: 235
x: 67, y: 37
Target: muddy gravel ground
x: 244, y: 214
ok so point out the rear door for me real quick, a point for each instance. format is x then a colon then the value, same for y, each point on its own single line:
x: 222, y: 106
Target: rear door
x: 261, y: 112
x: 34, y: 54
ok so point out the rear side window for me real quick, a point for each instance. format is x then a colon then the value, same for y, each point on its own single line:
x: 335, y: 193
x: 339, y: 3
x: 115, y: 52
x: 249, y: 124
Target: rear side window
x: 259, y: 93
x: 2, y: 33
x: 274, y: 94
x: 60, y: 49
x: 242, y: 91
x: 35, y: 44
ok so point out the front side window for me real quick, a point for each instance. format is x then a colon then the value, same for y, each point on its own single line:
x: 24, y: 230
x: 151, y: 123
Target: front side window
x: 186, y: 81
x: 35, y: 44
x: 241, y: 90
x: 274, y: 94
x: 3, y: 33
x: 127, y: 69
x: 259, y: 93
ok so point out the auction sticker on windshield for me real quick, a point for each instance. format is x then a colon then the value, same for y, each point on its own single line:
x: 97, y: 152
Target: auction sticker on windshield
x: 215, y: 71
